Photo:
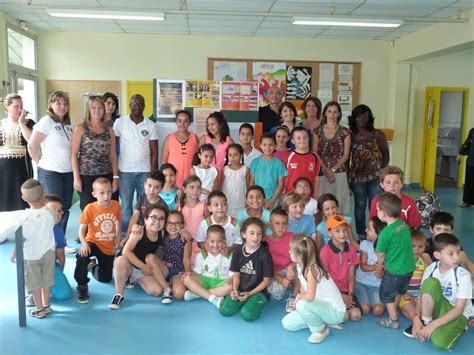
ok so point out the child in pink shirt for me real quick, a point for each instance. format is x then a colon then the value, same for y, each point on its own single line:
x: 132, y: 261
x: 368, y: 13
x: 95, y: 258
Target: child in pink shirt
x: 341, y: 261
x: 279, y: 246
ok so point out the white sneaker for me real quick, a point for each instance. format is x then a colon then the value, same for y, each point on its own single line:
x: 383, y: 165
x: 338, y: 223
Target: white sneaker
x: 216, y: 301
x: 189, y: 296
x: 318, y: 337
x: 69, y: 250
x: 339, y: 326
x: 166, y: 297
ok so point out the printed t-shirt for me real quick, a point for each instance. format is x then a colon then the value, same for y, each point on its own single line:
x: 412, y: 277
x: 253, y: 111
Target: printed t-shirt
x: 410, y: 214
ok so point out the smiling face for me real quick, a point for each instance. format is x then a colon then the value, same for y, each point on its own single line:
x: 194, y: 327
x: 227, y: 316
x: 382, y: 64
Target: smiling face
x: 267, y: 146
x: 213, y: 126
x: 311, y: 110
x: 255, y: 200
x: 206, y: 157
x: 156, y: 220
x: 214, y: 243
x: 295, y: 210
x: 338, y: 234
x: 287, y: 116
x: 174, y: 224
x: 253, y: 236
x: 183, y: 122
x: 60, y: 107
x: 170, y: 177
x: 152, y: 188
x: 218, y: 206
x: 97, y: 110
x: 274, y: 95
x: 282, y: 137
x: 332, y: 113
x: 301, y: 141
x: 329, y: 208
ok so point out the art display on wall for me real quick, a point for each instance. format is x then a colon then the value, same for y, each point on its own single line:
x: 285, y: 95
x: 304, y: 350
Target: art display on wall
x: 298, y: 82
x: 269, y: 74
x: 169, y: 97
x: 241, y: 96
x: 203, y: 94
x: 230, y: 71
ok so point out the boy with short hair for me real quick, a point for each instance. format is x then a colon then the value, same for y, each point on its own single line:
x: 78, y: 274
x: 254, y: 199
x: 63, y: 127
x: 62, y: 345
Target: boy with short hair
x: 341, y: 261
x: 395, y: 253
x: 217, y: 206
x: 61, y: 289
x: 153, y: 185
x: 443, y: 222
x: 38, y: 249
x: 301, y: 162
x: 284, y: 270
x: 444, y: 305
x: 391, y: 180
x: 268, y: 172
x: 99, y: 233
x: 246, y: 134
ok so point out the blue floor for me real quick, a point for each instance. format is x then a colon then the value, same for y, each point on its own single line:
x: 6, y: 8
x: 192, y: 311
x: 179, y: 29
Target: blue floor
x: 144, y: 326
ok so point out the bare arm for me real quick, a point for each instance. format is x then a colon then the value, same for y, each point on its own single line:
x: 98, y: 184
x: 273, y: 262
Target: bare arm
x: 278, y: 191
x: 363, y: 262
x: 34, y: 145
x: 113, y: 159
x: 247, y: 177
x: 188, y: 248
x: 165, y: 153
x: 60, y: 257
x: 311, y: 287
x: 25, y: 130
x: 128, y: 249
x: 76, y: 138
x: 383, y: 145
x: 252, y: 179
x: 345, y: 154
x: 154, y: 154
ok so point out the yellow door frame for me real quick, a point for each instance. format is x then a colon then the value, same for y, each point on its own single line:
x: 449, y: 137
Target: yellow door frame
x: 130, y: 88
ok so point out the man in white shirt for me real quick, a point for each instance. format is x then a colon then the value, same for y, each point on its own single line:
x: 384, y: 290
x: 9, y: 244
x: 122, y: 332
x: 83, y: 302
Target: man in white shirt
x: 138, y: 153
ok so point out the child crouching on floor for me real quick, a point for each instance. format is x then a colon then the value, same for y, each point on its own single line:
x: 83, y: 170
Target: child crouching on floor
x: 319, y: 304
x: 210, y: 279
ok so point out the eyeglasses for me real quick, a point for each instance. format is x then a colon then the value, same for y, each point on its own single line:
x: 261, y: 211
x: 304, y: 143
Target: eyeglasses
x: 175, y: 224
x: 137, y: 104
x: 157, y: 219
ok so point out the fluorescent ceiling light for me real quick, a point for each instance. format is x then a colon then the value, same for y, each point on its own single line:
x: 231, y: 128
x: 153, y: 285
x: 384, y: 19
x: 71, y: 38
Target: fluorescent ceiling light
x: 341, y: 21
x: 106, y: 14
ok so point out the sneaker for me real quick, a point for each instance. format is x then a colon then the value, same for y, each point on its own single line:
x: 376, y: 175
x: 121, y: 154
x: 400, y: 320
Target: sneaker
x: 129, y: 283
x: 69, y: 250
x: 116, y: 302
x: 388, y: 323
x: 166, y: 297
x: 189, y: 296
x: 339, y: 326
x: 216, y: 301
x: 318, y: 337
x: 29, y: 301
x: 91, y: 264
x: 82, y: 295
x: 409, y: 331
x: 290, y: 304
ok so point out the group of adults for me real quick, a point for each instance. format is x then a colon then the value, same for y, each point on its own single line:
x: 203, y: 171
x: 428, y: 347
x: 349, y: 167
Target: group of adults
x: 72, y: 157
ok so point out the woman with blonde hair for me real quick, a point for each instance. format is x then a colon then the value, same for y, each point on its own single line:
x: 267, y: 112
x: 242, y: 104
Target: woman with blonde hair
x: 50, y: 148
x: 15, y: 162
x: 93, y: 152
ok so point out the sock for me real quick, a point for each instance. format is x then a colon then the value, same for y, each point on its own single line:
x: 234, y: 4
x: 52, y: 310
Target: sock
x: 426, y: 320
x: 211, y: 298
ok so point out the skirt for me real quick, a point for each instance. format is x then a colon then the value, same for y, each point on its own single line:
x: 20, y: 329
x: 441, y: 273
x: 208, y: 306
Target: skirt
x: 340, y: 189
x: 13, y: 173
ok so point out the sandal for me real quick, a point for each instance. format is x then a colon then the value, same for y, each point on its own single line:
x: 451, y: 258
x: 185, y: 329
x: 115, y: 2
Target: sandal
x: 47, y: 309
x: 37, y: 312
x: 464, y: 204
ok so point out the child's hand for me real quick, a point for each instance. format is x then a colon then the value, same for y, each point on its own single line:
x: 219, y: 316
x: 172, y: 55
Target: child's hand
x: 243, y: 296
x: 285, y: 283
x: 234, y: 295
x: 185, y: 275
x: 77, y: 184
x: 349, y: 302
x: 185, y: 235
x: 122, y: 242
x: 85, y: 250
x: 137, y: 230
x: 225, y: 251
x: 269, y: 205
x: 426, y: 331
x: 147, y: 270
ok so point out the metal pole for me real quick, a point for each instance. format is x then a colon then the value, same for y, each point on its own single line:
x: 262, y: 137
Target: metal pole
x: 20, y: 277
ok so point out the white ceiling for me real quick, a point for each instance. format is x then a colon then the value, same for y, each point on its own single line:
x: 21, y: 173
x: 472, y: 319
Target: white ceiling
x: 241, y: 17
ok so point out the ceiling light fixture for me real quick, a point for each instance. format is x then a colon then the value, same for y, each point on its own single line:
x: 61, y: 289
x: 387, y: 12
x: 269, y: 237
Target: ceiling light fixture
x: 344, y: 21
x: 106, y: 14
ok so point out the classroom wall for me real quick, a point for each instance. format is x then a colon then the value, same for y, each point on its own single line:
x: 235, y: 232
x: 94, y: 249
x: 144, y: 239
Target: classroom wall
x: 101, y: 56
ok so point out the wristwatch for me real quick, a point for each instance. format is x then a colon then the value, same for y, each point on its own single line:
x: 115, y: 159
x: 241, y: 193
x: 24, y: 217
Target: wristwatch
x: 333, y: 170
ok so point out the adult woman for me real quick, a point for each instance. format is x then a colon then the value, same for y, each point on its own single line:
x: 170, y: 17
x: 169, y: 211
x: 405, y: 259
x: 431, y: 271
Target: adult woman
x: 287, y: 112
x: 312, y: 112
x: 111, y: 108
x: 219, y: 136
x: 50, y: 147
x: 15, y: 162
x: 369, y: 154
x: 268, y: 115
x: 332, y: 144
x: 179, y: 147
x: 93, y: 152
x: 468, y: 149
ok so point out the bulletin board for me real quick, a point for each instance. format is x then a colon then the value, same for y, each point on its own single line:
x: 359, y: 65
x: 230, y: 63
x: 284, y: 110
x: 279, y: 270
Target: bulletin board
x: 76, y: 90
x: 316, y: 74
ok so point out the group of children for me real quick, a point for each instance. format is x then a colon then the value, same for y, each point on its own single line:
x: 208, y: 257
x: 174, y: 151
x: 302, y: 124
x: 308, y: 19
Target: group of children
x: 253, y: 231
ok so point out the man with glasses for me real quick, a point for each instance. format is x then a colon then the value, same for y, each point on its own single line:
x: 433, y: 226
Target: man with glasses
x: 138, y: 153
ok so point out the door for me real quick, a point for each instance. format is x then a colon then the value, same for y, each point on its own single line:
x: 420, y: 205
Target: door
x: 444, y: 127
x: 144, y: 88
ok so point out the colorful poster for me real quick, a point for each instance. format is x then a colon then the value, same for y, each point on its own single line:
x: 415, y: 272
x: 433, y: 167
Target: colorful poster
x: 202, y: 94
x: 200, y: 115
x: 230, y: 71
x: 241, y: 96
x: 170, y: 97
x: 298, y: 82
x: 269, y: 74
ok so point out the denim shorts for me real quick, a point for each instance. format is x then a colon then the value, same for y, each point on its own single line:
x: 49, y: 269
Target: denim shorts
x: 367, y: 294
x: 393, y: 285
x: 172, y: 271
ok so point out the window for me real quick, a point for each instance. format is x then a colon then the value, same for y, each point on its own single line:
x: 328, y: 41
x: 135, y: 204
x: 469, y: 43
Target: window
x: 21, y: 50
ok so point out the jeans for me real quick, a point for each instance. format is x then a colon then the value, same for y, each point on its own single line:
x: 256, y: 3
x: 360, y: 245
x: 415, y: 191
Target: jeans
x: 102, y: 272
x: 60, y: 184
x: 363, y: 192
x: 129, y: 184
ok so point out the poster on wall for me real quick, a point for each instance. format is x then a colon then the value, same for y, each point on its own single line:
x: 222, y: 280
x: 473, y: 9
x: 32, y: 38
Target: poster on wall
x: 298, y: 82
x: 230, y: 71
x: 169, y: 97
x: 200, y: 115
x: 202, y: 94
x: 241, y: 96
x: 269, y: 74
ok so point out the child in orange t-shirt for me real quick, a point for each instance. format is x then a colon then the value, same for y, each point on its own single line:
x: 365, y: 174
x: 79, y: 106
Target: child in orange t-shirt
x: 101, y: 221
